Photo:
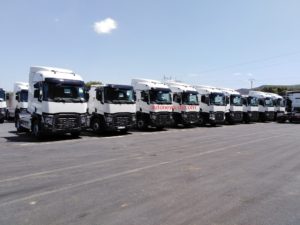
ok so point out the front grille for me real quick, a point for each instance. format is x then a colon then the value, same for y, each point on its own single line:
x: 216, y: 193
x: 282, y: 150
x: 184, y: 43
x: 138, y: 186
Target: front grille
x: 270, y: 115
x: 163, y: 119
x: 219, y: 116
x: 67, y: 122
x: 192, y: 116
x: 238, y: 115
x: 122, y: 121
x: 254, y: 116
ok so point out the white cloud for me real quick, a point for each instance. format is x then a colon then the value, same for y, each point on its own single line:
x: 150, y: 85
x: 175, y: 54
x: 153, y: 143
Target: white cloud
x: 105, y: 26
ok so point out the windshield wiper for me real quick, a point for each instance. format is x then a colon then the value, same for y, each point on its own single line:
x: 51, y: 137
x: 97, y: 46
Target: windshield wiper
x: 77, y: 100
x: 58, y: 99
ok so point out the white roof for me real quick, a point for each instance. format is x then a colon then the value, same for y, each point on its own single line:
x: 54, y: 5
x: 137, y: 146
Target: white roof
x: 207, y: 89
x: 147, y: 83
x: 176, y: 86
x: 260, y: 94
x: 18, y: 86
x: 53, y: 72
x: 229, y: 91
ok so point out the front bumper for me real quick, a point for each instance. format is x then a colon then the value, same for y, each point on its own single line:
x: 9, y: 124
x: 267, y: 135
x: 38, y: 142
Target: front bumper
x: 253, y: 116
x: 216, y: 117
x: 190, y: 117
x: 270, y: 116
x: 236, y: 116
x: 161, y: 119
x: 64, y: 123
x: 120, y: 121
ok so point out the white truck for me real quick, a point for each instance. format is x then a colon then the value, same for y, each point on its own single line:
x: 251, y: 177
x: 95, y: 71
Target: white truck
x: 56, y: 103
x: 111, y: 107
x: 293, y: 106
x: 234, y: 106
x: 250, y: 109
x: 2, y: 105
x: 17, y: 101
x: 212, y: 105
x: 279, y: 106
x: 153, y: 103
x: 265, y: 105
x: 185, y: 103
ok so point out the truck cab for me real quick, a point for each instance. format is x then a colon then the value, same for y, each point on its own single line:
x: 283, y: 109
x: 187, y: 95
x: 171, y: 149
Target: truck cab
x: 212, y: 105
x: 111, y: 107
x: 17, y: 101
x: 265, y: 105
x: 293, y: 105
x: 3, y: 106
x: 234, y: 106
x: 185, y: 103
x: 279, y: 107
x: 56, y: 103
x: 154, y: 103
x: 250, y: 109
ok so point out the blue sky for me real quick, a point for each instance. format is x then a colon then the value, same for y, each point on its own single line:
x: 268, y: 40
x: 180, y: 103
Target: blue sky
x: 221, y: 43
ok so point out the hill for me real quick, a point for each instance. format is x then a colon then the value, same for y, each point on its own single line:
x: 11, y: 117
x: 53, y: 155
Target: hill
x: 278, y: 89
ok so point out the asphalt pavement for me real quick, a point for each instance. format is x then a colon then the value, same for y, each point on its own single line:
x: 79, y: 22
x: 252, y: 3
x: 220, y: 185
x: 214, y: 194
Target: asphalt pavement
x: 245, y: 174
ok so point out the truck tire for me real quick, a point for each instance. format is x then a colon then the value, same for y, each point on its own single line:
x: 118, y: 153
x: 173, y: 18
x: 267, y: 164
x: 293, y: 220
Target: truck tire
x: 141, y: 124
x: 2, y: 120
x: 96, y: 125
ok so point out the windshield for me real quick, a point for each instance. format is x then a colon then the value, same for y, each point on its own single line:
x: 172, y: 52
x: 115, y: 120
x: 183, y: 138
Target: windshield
x: 63, y: 92
x: 236, y: 100
x: 252, y: 101
x: 118, y: 95
x: 2, y: 95
x: 160, y: 96
x: 23, y: 96
x: 280, y: 102
x: 269, y: 102
x: 190, y: 98
x: 217, y: 99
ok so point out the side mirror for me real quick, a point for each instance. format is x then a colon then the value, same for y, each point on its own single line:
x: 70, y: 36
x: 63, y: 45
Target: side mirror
x: 207, y: 100
x: 87, y: 96
x: 7, y: 96
x: 227, y: 100
x: 203, y: 99
x: 17, y: 97
x: 36, y: 93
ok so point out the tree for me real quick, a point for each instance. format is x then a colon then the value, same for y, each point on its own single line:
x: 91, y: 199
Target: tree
x: 90, y: 83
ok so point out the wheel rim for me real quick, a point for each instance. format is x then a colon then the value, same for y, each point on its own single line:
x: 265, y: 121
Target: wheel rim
x: 96, y: 126
x: 140, y: 124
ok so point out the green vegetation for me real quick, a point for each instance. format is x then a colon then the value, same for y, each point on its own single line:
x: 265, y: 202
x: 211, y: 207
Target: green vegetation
x: 90, y: 83
x: 278, y: 89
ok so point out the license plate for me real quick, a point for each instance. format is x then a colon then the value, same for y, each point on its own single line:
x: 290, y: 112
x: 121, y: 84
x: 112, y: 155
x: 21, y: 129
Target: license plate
x: 121, y: 127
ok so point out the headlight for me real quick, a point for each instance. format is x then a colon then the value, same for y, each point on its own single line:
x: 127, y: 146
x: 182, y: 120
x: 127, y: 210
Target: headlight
x: 109, y: 119
x: 212, y: 116
x: 133, y: 118
x: 153, y: 116
x: 48, y: 120
x: 250, y: 114
x: 83, y: 119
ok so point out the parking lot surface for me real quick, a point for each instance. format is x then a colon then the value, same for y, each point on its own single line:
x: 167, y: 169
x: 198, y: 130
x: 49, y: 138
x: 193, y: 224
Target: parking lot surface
x: 229, y: 175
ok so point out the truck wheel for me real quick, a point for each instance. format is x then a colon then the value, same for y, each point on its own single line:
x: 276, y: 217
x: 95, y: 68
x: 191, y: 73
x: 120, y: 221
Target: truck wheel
x: 141, y: 124
x: 2, y: 120
x: 36, y: 129
x: 159, y: 128
x: 96, y: 125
